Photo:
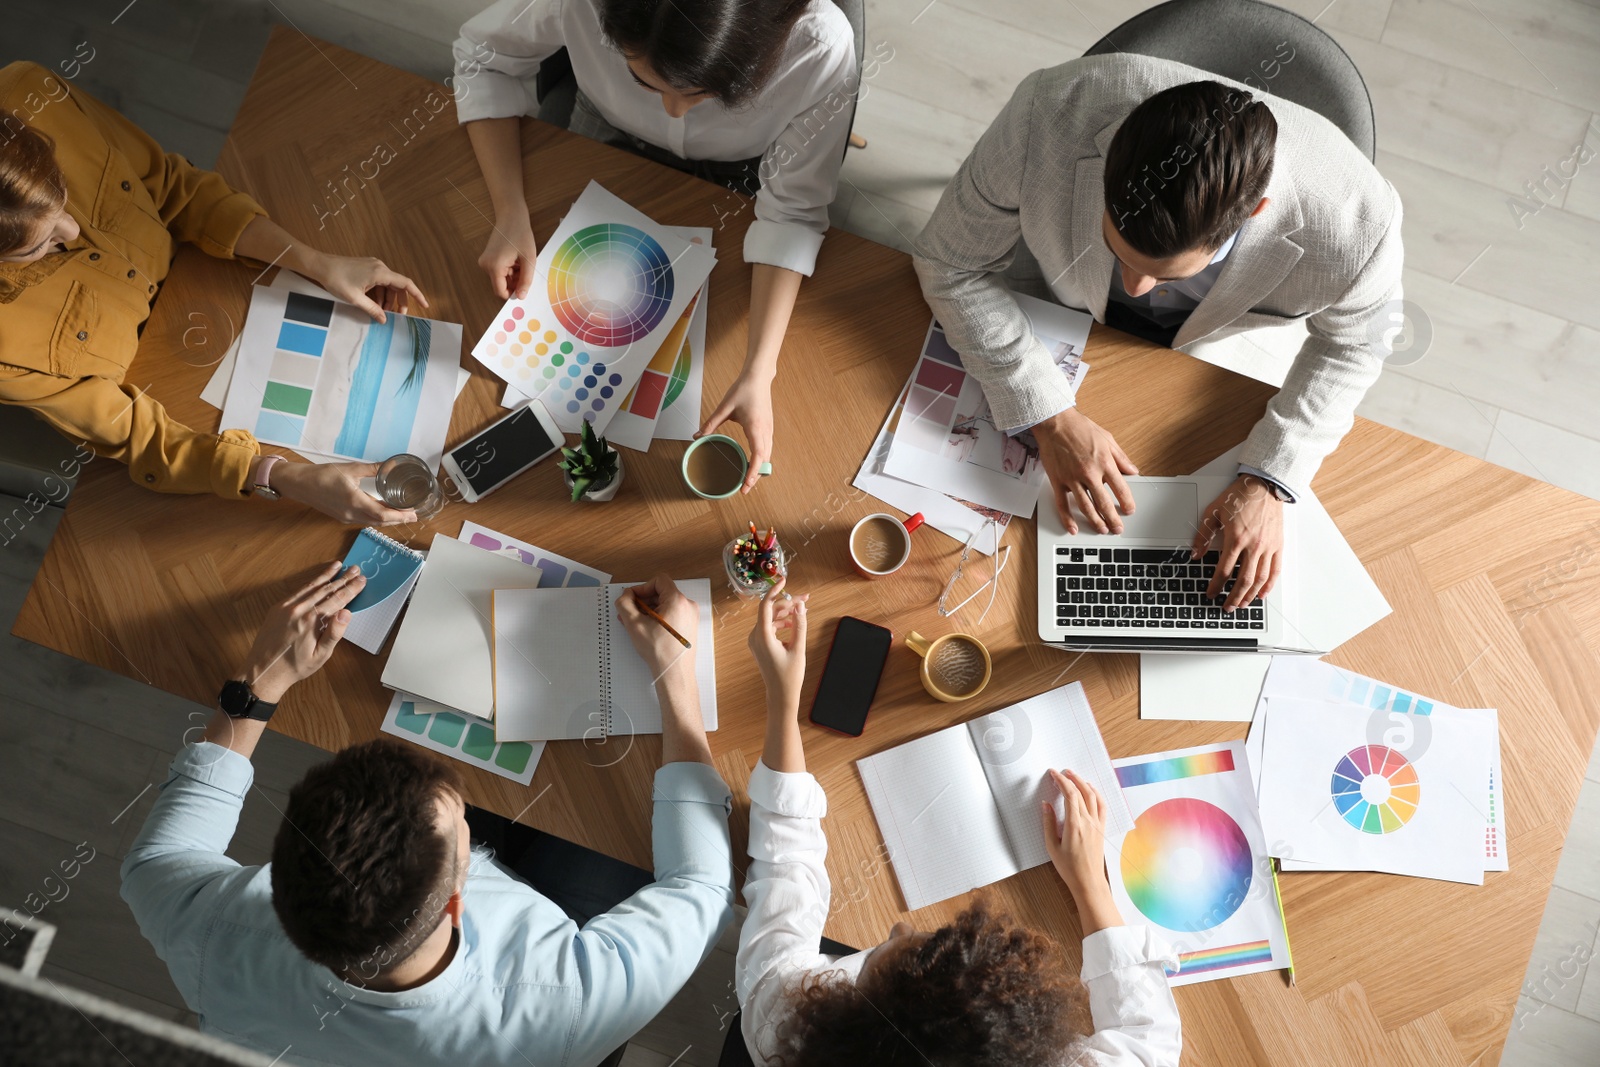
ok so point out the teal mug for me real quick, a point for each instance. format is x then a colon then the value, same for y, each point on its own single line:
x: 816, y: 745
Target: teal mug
x: 714, y: 466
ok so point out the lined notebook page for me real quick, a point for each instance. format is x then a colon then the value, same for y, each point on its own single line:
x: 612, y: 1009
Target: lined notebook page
x: 547, y: 664
x: 1017, y: 747
x: 932, y: 804
x: 633, y: 703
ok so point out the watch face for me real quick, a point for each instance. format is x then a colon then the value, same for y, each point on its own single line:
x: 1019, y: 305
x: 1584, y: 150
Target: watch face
x: 236, y: 698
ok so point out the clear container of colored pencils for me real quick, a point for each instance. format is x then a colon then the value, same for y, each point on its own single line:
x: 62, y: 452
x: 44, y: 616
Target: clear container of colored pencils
x: 754, y: 562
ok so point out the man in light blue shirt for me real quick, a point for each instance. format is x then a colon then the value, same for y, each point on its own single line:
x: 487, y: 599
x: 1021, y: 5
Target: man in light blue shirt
x: 376, y: 936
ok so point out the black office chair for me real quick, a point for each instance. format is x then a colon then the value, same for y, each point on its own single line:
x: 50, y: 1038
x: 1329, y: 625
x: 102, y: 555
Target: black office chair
x: 557, y: 89
x: 1239, y: 39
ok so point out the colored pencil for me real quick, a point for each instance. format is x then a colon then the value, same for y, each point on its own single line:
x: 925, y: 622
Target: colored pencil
x: 1278, y: 893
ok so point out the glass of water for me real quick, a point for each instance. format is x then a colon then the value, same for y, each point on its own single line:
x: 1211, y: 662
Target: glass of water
x: 405, y: 482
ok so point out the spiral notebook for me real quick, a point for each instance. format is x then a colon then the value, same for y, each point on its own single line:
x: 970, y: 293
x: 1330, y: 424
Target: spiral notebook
x: 391, y: 571
x: 565, y: 668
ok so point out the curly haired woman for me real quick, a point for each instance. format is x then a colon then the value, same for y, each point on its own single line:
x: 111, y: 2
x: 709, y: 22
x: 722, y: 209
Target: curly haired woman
x: 979, y: 992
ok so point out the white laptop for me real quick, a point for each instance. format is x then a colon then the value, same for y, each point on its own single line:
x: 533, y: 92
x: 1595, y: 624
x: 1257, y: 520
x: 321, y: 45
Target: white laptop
x: 1138, y: 591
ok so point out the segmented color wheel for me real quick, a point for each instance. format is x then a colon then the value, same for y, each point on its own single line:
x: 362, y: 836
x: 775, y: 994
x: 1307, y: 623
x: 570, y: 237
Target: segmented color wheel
x: 1375, y: 789
x: 610, y: 284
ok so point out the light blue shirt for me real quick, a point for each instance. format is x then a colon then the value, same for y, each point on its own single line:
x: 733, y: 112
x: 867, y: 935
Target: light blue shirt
x: 525, y: 986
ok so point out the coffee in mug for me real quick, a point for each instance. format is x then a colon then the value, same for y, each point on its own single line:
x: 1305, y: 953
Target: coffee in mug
x: 714, y: 466
x: 954, y: 667
x: 880, y: 544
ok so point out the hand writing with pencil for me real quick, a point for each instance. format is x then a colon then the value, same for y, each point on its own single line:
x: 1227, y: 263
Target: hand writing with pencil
x: 659, y: 619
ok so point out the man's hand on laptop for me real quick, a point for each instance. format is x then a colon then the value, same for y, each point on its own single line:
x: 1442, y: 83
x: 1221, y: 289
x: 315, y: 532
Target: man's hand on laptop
x: 1082, y: 460
x: 1249, y: 517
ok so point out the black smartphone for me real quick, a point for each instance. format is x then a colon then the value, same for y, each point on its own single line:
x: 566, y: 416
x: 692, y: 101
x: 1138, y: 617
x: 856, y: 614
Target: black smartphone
x: 850, y: 677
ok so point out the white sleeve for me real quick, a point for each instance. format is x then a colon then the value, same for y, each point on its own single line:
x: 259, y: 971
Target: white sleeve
x: 497, y: 55
x: 786, y: 890
x: 800, y: 170
x: 1135, y: 1015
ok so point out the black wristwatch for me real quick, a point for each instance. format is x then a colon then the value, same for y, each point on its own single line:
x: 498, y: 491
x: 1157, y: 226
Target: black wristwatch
x: 239, y: 701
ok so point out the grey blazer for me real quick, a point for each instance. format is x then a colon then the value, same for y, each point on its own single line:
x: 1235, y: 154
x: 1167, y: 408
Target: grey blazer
x: 1326, y: 250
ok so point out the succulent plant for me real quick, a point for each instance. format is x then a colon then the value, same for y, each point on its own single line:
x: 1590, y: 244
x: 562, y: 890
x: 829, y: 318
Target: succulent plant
x: 591, y: 465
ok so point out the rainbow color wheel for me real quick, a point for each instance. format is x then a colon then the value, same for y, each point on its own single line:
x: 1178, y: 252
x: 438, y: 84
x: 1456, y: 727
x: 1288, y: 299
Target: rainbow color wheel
x: 610, y: 284
x: 1375, y: 789
x: 1186, y: 865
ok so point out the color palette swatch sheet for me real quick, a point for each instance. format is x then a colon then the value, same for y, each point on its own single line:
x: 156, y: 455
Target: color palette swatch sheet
x: 1195, y: 864
x: 1397, y: 720
x: 555, y: 571
x: 1332, y: 795
x: 608, y: 286
x: 946, y: 437
x: 461, y: 737
x: 320, y: 375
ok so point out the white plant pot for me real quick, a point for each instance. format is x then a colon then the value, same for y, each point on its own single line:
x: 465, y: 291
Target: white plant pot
x: 600, y: 496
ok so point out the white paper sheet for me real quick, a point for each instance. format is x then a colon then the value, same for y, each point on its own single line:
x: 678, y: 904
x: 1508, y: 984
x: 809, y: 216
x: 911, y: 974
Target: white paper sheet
x: 1397, y: 718
x: 609, y: 284
x: 1195, y: 866
x: 333, y: 382
x: 1419, y: 815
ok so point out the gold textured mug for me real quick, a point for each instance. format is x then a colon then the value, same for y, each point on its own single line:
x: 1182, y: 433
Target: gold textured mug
x: 954, y: 667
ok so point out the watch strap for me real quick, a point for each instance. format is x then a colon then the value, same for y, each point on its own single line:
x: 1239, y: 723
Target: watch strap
x: 261, y: 477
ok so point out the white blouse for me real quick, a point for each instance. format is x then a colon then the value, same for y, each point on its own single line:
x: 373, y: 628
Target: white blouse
x: 786, y: 889
x: 798, y: 123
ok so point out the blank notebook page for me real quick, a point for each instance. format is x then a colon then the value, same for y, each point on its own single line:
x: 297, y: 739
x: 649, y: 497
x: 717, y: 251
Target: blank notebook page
x: 1019, y: 745
x: 547, y: 664
x: 632, y: 696
x: 933, y: 807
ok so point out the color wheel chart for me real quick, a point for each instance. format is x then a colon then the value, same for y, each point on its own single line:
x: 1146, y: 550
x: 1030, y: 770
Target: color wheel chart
x: 610, y: 284
x: 1195, y: 863
x: 1375, y: 789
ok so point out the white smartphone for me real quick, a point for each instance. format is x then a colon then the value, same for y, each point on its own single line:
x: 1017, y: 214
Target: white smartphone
x: 484, y: 463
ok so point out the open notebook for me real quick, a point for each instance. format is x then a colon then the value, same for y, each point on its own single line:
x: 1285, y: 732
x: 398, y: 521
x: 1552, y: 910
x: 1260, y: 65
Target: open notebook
x: 565, y: 668
x: 959, y: 808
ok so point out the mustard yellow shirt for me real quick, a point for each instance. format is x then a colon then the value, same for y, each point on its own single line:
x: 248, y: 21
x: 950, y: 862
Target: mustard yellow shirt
x: 69, y: 323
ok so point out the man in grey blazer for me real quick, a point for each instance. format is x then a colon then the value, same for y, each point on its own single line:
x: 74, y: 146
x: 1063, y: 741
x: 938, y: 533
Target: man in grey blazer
x: 1180, y: 207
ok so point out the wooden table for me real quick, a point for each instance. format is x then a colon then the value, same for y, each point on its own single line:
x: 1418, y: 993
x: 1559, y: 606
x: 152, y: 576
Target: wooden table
x: 1492, y: 575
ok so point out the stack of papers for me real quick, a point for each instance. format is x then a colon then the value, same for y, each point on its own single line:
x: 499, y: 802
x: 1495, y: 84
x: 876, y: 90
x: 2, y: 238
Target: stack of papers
x: 1356, y: 775
x: 605, y: 327
x: 939, y: 451
x: 441, y: 663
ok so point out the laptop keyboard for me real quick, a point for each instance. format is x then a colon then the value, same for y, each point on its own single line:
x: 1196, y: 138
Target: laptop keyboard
x: 1145, y: 588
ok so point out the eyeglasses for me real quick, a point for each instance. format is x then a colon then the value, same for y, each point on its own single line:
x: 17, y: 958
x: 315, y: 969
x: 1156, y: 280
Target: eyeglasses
x: 1002, y: 556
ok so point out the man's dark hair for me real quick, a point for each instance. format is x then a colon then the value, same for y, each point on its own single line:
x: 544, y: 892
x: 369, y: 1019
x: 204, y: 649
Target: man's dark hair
x: 728, y: 48
x: 980, y: 992
x: 1187, y: 167
x: 360, y: 871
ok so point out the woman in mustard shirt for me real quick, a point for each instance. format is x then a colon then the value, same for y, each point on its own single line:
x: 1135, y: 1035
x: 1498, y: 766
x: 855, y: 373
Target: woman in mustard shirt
x: 91, y: 213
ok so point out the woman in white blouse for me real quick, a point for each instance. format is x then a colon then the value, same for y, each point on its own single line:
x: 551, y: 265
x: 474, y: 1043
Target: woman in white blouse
x: 749, y: 93
x: 980, y: 992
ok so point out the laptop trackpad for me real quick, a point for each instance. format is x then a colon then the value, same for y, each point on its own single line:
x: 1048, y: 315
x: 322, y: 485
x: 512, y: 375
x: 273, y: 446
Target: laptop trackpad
x: 1163, y: 511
